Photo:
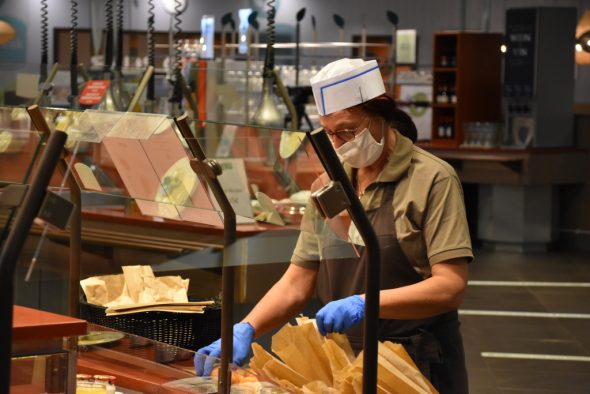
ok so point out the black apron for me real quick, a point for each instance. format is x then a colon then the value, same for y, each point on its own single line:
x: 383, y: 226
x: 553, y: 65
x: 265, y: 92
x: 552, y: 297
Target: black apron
x: 435, y: 343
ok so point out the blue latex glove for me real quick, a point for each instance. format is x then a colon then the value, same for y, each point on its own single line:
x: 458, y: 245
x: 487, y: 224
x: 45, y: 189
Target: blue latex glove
x: 340, y: 315
x: 207, y: 356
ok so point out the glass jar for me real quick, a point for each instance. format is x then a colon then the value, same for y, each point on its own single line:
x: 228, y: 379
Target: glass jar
x: 90, y: 387
x: 107, y: 381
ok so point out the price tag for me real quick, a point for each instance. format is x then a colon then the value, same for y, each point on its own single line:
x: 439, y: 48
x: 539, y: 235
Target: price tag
x: 94, y: 91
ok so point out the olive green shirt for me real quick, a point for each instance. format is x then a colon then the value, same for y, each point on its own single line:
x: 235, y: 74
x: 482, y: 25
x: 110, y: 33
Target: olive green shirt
x: 428, y: 210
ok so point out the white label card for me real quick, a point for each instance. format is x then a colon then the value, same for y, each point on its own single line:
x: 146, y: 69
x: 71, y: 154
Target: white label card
x: 234, y: 182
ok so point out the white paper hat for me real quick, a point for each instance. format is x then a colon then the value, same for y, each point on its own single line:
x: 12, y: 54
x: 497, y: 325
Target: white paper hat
x: 346, y: 83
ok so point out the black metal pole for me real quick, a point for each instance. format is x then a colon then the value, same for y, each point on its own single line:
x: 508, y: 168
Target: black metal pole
x: 108, y: 57
x: 14, y: 244
x: 228, y: 271
x: 323, y: 147
x: 297, y: 38
x: 119, y: 55
x: 74, y: 53
x: 151, y: 50
x: 44, y: 41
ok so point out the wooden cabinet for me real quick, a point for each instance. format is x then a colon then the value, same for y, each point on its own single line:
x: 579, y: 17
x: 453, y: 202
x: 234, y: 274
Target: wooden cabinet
x: 466, y: 83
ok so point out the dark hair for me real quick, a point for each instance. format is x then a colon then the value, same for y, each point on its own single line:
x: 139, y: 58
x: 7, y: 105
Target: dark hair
x: 385, y: 107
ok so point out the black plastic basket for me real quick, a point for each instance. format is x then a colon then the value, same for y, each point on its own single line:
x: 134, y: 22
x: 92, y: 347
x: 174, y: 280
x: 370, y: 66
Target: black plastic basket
x: 186, y: 330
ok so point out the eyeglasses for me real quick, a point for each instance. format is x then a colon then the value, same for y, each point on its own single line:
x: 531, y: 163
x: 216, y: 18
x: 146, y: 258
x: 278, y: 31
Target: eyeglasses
x: 347, y: 134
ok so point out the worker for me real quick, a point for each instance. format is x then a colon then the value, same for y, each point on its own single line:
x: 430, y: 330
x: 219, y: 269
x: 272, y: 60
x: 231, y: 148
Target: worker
x: 414, y: 201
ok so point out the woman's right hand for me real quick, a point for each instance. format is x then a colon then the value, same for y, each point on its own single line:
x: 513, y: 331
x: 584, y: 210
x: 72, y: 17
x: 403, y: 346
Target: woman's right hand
x: 206, y: 357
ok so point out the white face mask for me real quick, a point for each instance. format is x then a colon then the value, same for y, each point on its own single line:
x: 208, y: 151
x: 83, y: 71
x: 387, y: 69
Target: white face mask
x: 362, y: 151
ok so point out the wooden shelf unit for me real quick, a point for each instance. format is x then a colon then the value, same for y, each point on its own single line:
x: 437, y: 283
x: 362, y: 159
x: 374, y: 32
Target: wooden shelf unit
x: 466, y: 65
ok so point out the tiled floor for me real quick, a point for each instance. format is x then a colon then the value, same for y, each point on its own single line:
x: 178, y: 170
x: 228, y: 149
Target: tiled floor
x: 528, y: 338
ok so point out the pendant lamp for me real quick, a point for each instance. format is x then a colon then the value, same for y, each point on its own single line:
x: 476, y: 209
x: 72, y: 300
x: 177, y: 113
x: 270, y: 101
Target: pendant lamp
x: 7, y: 32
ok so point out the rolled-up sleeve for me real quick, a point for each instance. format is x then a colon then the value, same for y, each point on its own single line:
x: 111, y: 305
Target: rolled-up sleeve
x: 446, y: 232
x: 307, y: 250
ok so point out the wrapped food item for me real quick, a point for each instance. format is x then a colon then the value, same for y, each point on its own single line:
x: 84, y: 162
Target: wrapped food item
x: 139, y: 290
x: 312, y: 364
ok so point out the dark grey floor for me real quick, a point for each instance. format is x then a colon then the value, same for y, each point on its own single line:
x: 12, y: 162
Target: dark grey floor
x: 565, y: 335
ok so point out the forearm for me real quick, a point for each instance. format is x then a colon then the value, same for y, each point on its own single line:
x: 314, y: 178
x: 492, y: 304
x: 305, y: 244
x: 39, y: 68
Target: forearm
x: 438, y: 294
x: 416, y: 301
x: 283, y: 301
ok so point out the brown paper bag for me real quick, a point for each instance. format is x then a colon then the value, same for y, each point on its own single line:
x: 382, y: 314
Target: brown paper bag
x: 337, y: 357
x: 171, y: 289
x: 260, y: 357
x: 283, y: 375
x: 343, y: 342
x: 135, y: 276
x: 314, y: 364
x: 393, y: 380
x: 401, y: 352
x: 397, y: 356
x: 274, y: 369
x: 301, y: 349
x: 318, y: 387
x: 100, y: 290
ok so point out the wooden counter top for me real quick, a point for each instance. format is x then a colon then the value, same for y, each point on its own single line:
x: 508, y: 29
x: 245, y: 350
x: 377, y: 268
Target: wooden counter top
x: 30, y: 323
x: 539, y: 166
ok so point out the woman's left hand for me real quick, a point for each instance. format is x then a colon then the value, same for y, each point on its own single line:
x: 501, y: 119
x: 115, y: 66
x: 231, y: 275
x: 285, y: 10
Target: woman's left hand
x: 340, y: 315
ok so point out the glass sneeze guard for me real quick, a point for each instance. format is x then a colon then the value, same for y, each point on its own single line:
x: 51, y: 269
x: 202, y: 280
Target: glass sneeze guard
x: 137, y: 159
x: 19, y: 149
x: 138, y: 165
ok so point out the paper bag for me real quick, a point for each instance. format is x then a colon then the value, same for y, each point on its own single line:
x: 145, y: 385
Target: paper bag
x: 301, y: 349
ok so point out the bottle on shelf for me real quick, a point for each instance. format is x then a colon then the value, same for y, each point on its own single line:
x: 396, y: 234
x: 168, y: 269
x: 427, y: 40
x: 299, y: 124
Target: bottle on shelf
x: 452, y: 60
x: 442, y: 96
x: 441, y: 127
x: 448, y: 60
x: 446, y: 128
x: 449, y: 130
x: 453, y: 95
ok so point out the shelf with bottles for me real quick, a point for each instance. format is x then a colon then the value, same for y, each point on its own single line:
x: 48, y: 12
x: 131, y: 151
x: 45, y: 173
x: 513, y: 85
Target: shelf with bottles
x: 466, y: 83
x: 444, y: 88
x: 444, y: 131
x: 446, y: 96
x: 445, y: 51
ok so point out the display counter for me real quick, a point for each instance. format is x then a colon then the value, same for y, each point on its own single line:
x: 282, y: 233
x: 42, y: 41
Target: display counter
x: 50, y: 350
x: 152, y: 367
x: 517, y: 194
x: 44, y: 351
x: 144, y: 191
x: 556, y: 166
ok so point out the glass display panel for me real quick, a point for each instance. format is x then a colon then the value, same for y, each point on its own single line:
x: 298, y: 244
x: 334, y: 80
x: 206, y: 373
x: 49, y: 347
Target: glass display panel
x: 19, y: 148
x: 150, y: 366
x: 269, y: 175
x: 46, y: 373
x: 136, y: 158
x: 19, y: 145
